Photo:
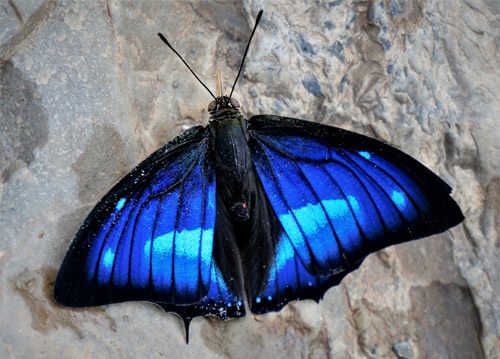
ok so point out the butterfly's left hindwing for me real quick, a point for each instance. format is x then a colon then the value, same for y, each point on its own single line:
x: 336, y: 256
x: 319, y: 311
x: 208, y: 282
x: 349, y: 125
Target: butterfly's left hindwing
x: 338, y: 196
x: 151, y: 238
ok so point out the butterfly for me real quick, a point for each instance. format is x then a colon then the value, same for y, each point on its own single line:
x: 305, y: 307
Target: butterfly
x: 261, y: 211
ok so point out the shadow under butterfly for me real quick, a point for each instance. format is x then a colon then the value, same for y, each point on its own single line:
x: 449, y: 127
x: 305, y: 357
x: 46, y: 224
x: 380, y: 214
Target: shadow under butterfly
x: 270, y: 210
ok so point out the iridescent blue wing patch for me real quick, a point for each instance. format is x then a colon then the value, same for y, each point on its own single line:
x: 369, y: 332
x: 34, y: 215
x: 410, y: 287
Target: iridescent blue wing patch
x: 338, y: 196
x: 151, y: 238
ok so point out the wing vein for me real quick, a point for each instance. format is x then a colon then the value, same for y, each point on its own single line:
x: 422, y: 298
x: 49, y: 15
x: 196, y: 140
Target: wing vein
x: 367, y: 192
x: 125, y: 227
x: 138, y: 216
x: 339, y: 188
x: 182, y: 179
x: 104, y: 241
x: 341, y: 249
x: 375, y: 183
x: 202, y: 226
x: 153, y: 236
x: 417, y: 207
x: 311, y: 254
x: 172, y: 280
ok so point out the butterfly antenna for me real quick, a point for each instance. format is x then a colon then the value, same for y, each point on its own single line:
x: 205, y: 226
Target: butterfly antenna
x: 259, y: 15
x: 185, y: 63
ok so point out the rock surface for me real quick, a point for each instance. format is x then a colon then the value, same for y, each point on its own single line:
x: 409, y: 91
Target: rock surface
x: 88, y: 90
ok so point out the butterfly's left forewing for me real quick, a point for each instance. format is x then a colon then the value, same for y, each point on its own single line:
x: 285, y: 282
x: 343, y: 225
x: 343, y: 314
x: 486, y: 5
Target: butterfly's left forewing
x: 338, y: 196
x: 151, y: 238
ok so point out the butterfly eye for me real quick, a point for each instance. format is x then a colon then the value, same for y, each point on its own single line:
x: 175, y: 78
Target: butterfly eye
x: 212, y: 106
x: 235, y: 103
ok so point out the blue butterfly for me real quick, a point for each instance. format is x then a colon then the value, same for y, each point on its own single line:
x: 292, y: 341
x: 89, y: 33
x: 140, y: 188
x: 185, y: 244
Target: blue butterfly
x: 272, y: 209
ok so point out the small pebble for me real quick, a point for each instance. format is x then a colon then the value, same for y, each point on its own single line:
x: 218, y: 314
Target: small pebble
x: 403, y: 350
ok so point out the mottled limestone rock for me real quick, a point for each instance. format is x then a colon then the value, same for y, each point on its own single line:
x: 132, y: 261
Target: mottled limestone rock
x: 88, y: 90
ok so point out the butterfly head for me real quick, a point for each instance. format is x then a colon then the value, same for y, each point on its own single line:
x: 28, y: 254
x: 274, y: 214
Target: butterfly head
x: 223, y: 107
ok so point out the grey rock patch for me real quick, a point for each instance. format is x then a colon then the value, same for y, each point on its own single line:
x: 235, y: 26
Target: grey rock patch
x: 440, y: 335
x: 403, y: 350
x: 95, y: 175
x: 311, y: 84
x: 14, y: 15
x: 24, y: 123
x: 36, y: 288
